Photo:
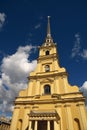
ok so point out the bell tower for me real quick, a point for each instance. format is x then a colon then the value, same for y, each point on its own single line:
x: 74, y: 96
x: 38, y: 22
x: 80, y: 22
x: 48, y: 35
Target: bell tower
x: 49, y: 102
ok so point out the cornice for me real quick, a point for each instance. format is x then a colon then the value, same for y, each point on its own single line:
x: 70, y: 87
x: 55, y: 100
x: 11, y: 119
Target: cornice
x: 50, y: 101
x: 43, y: 115
x: 48, y: 74
x: 47, y: 47
x: 47, y: 57
x: 52, y: 95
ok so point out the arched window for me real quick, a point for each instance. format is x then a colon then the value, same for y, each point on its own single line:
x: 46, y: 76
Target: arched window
x: 47, y: 89
x: 47, y: 68
x: 20, y: 124
x: 47, y: 52
x: 77, y: 124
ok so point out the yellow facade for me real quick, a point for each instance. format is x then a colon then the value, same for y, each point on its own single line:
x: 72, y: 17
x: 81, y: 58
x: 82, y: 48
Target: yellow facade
x: 49, y: 102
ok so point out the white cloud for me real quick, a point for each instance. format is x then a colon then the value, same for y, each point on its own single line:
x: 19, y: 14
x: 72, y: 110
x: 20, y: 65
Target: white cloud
x: 84, y: 54
x: 77, y: 51
x: 14, y: 71
x: 84, y: 90
x: 37, y: 26
x: 39, y: 23
x: 2, y: 19
x: 76, y: 48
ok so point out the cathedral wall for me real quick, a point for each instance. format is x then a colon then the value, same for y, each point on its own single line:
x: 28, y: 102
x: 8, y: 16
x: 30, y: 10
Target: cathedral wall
x: 15, y: 118
x: 61, y: 85
x: 69, y: 114
x: 49, y: 96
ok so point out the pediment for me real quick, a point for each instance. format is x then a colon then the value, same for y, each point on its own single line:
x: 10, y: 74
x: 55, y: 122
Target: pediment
x: 47, y: 80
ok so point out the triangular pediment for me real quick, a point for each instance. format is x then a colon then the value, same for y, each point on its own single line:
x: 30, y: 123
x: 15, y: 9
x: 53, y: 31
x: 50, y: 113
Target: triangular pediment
x: 47, y: 80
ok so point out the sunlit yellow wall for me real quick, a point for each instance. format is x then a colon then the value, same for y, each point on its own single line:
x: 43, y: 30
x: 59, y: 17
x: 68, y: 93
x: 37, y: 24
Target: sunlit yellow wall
x: 65, y: 99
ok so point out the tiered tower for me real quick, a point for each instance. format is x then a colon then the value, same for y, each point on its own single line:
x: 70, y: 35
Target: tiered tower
x: 49, y: 102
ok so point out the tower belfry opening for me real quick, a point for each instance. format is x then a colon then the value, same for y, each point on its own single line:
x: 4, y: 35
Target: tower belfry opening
x: 49, y: 102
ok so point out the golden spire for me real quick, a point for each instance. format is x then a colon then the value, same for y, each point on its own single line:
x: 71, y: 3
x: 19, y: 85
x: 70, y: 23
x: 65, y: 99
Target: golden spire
x: 48, y: 40
x: 48, y: 28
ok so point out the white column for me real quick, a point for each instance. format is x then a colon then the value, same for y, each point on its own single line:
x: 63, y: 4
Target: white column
x: 30, y: 123
x: 35, y: 127
x: 48, y: 125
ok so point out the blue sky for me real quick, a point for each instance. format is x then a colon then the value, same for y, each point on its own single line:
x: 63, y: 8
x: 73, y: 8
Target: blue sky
x: 23, y: 26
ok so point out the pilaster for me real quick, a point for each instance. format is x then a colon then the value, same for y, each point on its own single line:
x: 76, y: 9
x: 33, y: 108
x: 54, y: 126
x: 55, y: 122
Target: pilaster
x: 65, y: 84
x: 37, y: 88
x: 15, y: 118
x: 82, y: 115
x: 69, y: 117
x: 56, y: 125
x: 55, y: 64
x: 30, y: 87
x: 60, y: 120
x: 56, y: 85
x: 26, y: 117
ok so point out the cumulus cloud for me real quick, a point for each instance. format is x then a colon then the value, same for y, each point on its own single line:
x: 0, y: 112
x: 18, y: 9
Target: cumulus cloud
x: 2, y: 19
x: 76, y: 48
x: 84, y: 90
x: 84, y: 54
x: 14, y: 71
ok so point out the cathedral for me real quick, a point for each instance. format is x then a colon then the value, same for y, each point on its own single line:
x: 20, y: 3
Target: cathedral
x: 49, y: 102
